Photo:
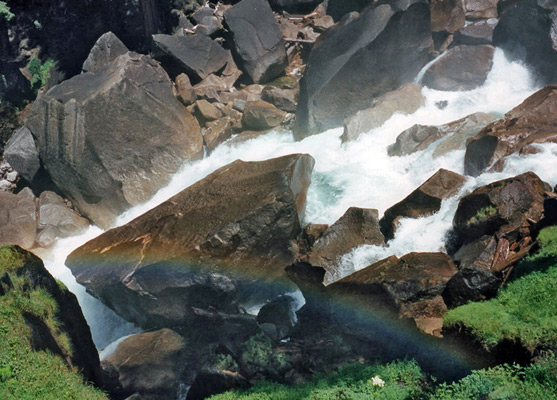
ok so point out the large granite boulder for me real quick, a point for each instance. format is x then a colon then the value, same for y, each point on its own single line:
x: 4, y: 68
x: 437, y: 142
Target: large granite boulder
x: 22, y: 154
x: 526, y: 32
x: 106, y: 49
x: 405, y: 100
x: 385, y: 47
x: 257, y: 39
x: 533, y: 121
x: 111, y: 138
x: 423, y: 201
x: 221, y: 244
x: 461, y: 68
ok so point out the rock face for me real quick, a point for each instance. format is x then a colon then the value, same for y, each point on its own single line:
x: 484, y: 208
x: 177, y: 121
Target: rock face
x: 405, y: 100
x: 22, y: 154
x: 479, y: 32
x: 257, y: 39
x: 149, y: 364
x: 112, y: 138
x: 219, y: 244
x: 107, y: 48
x: 419, y: 137
x: 359, y: 61
x: 423, y: 201
x: 461, y: 68
x: 526, y: 33
x: 533, y: 121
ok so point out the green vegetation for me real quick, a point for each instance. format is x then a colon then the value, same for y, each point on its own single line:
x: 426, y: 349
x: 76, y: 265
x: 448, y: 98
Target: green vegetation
x: 5, y: 11
x: 525, y: 310
x: 258, y: 354
x: 40, y: 72
x: 26, y: 374
x: 482, y: 215
x: 225, y: 362
x: 544, y: 258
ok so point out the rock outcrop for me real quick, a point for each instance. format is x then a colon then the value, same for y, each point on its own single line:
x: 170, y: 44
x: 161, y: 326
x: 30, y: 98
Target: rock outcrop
x: 109, y: 139
x: 106, y: 49
x: 220, y: 244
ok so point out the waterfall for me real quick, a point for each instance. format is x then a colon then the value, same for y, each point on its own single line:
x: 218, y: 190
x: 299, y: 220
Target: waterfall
x: 358, y: 173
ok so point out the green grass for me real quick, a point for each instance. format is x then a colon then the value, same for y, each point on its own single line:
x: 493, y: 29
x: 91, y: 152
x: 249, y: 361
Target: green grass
x: 482, y: 215
x: 526, y: 310
x: 24, y: 373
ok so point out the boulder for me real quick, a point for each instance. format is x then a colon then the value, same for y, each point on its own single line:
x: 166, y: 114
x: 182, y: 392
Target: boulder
x: 22, y: 154
x: 533, y: 121
x: 284, y: 99
x: 420, y: 137
x: 186, y: 93
x: 526, y: 33
x: 460, y: 68
x: 18, y: 221
x: 111, y: 138
x: 206, y: 111
x: 405, y: 100
x: 277, y: 317
x: 257, y: 39
x: 196, y: 55
x: 446, y: 15
x: 423, y: 201
x: 390, y: 40
x: 260, y: 115
x: 480, y: 9
x: 470, y: 284
x: 107, y: 48
x: 477, y: 254
x: 356, y: 227
x: 477, y: 33
x: 148, y: 363
x: 216, y: 132
x: 221, y: 244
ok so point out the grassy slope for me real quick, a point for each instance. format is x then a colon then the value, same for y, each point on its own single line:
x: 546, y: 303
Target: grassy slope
x: 24, y: 373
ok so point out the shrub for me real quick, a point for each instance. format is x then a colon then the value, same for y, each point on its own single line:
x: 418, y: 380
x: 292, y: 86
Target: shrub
x: 40, y: 72
x: 5, y: 11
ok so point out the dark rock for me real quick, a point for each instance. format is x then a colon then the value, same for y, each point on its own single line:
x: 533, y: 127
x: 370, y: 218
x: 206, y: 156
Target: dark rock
x: 526, y: 33
x: 18, y: 224
x: 150, y: 364
x: 423, y: 201
x: 257, y: 39
x: 420, y: 137
x: 22, y: 154
x: 83, y: 125
x: 405, y: 100
x: 477, y: 33
x: 470, y: 284
x: 260, y: 115
x: 446, y: 15
x: 533, y: 121
x: 181, y: 23
x: 284, y: 99
x: 356, y: 227
x: 477, y: 254
x: 278, y: 317
x: 197, y: 55
x: 107, y: 48
x: 220, y: 244
x: 209, y: 383
x: 391, y: 41
x: 339, y: 9
x: 461, y: 68
x: 480, y: 9
x: 216, y: 132
x: 294, y: 6
x: 186, y: 93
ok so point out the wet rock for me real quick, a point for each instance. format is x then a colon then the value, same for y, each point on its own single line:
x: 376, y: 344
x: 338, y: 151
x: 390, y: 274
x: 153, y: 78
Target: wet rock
x: 477, y: 33
x: 284, y: 99
x: 260, y: 115
x: 420, y: 137
x: 22, y: 154
x: 470, y: 284
x: 446, y: 15
x: 391, y: 41
x: 83, y: 125
x: 107, y: 48
x: 423, y: 201
x: 216, y: 132
x: 461, y: 68
x: 186, y: 93
x: 477, y: 254
x: 257, y: 39
x: 480, y: 9
x: 18, y: 223
x: 220, y: 244
x: 532, y: 121
x: 405, y: 100
x: 277, y: 317
x: 149, y: 364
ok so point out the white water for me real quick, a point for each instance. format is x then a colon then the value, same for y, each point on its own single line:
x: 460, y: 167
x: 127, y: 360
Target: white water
x: 357, y: 174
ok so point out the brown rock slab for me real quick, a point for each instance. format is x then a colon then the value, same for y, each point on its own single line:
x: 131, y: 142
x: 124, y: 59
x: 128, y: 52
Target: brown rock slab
x: 480, y: 9
x: 446, y: 15
x: 260, y: 115
x: 207, y: 111
x: 216, y: 132
x: 18, y: 222
x: 186, y: 93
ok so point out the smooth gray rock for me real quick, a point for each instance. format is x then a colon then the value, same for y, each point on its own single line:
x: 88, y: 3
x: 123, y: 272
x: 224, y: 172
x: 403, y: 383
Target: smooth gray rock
x: 105, y: 50
x: 18, y: 223
x: 22, y: 154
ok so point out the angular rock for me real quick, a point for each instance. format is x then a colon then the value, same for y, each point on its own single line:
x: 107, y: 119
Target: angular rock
x: 423, y: 201
x: 207, y: 111
x: 533, y: 121
x: 186, y: 93
x: 277, y: 317
x: 18, y: 223
x: 107, y: 48
x: 221, y: 244
x: 284, y: 99
x: 420, y: 137
x: 257, y: 39
x: 260, y: 115
x: 470, y: 284
x: 477, y: 33
x: 461, y: 68
x: 22, y: 154
x: 86, y: 125
x: 480, y: 9
x: 477, y: 254
x: 356, y: 227
x: 405, y: 100
x: 216, y: 132
x: 385, y: 47
x: 446, y: 15
x: 149, y: 363
x: 197, y: 55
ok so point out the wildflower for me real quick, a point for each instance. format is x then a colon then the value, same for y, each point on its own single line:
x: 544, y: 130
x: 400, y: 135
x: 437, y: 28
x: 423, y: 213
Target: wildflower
x: 376, y: 381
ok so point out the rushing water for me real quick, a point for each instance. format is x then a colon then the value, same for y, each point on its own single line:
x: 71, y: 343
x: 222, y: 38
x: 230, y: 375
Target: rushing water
x: 358, y: 173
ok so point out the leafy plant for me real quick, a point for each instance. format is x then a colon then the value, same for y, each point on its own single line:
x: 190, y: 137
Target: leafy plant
x: 5, y: 11
x: 258, y: 354
x: 40, y: 72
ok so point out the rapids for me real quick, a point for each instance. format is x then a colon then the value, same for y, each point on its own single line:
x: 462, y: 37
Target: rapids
x: 358, y: 173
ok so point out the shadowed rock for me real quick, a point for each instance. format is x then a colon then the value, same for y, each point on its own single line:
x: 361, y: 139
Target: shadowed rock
x: 107, y: 48
x: 22, y: 154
